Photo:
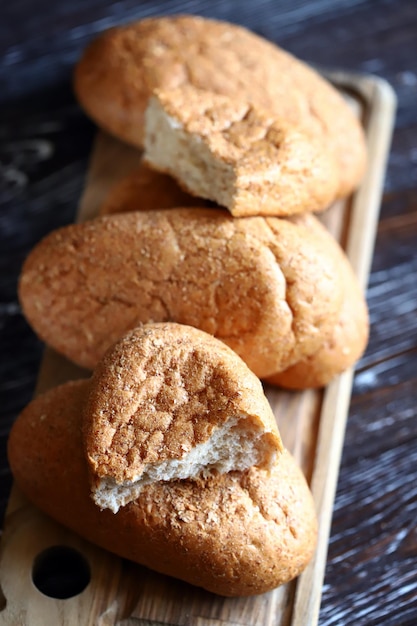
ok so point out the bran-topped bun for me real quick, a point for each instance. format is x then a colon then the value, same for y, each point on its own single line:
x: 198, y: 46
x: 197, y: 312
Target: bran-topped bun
x: 171, y: 402
x: 145, y: 189
x: 230, y: 152
x: 234, y: 534
x: 264, y: 286
x: 350, y: 335
x: 122, y: 67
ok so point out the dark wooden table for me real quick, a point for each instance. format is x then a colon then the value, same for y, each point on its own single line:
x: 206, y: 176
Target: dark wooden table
x: 371, y: 576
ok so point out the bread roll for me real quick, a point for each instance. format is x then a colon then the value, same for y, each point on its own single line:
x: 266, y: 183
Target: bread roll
x: 234, y: 534
x: 169, y: 401
x: 228, y: 151
x: 264, y: 286
x: 122, y: 67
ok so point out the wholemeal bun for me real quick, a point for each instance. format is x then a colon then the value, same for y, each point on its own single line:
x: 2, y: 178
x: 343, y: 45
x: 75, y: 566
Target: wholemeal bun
x: 171, y: 402
x: 234, y: 534
x: 349, y: 338
x: 264, y: 286
x: 122, y: 67
x: 230, y: 152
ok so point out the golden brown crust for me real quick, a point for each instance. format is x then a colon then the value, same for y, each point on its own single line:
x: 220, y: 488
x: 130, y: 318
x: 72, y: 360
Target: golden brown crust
x: 121, y: 68
x: 145, y: 189
x: 264, y: 286
x: 350, y: 335
x: 240, y: 534
x: 162, y: 390
x: 237, y: 155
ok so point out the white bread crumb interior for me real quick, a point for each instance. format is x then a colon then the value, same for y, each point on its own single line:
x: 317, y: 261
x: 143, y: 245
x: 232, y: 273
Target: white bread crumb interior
x: 169, y: 148
x: 237, y: 445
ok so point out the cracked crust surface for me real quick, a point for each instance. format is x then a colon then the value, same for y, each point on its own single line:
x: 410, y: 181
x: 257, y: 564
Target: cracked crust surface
x: 145, y: 189
x: 161, y: 391
x: 237, y: 534
x: 236, y: 155
x: 264, y: 286
x: 350, y: 335
x: 120, y: 69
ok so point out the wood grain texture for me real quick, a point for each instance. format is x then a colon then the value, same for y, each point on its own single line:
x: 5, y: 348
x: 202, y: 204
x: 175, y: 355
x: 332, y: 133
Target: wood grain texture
x: 371, y: 574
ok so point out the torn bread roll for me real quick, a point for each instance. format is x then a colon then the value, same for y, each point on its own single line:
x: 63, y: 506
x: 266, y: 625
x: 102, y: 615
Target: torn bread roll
x: 234, y: 534
x: 265, y: 286
x: 171, y: 402
x: 228, y: 151
x: 123, y: 66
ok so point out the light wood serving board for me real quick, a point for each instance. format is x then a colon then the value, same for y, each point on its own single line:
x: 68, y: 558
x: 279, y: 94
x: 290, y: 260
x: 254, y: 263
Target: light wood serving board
x: 312, y: 425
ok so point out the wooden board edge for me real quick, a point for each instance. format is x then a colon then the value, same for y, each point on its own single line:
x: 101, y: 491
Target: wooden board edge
x: 380, y: 103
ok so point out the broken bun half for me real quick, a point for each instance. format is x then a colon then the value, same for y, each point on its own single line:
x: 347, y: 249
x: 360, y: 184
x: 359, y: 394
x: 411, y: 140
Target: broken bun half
x: 121, y: 68
x: 232, y: 153
x: 171, y: 402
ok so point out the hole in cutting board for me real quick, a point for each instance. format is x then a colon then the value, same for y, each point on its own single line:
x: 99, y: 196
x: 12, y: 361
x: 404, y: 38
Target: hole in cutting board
x: 60, y: 572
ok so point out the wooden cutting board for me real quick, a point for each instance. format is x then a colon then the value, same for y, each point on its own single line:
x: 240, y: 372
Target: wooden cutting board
x: 312, y: 425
